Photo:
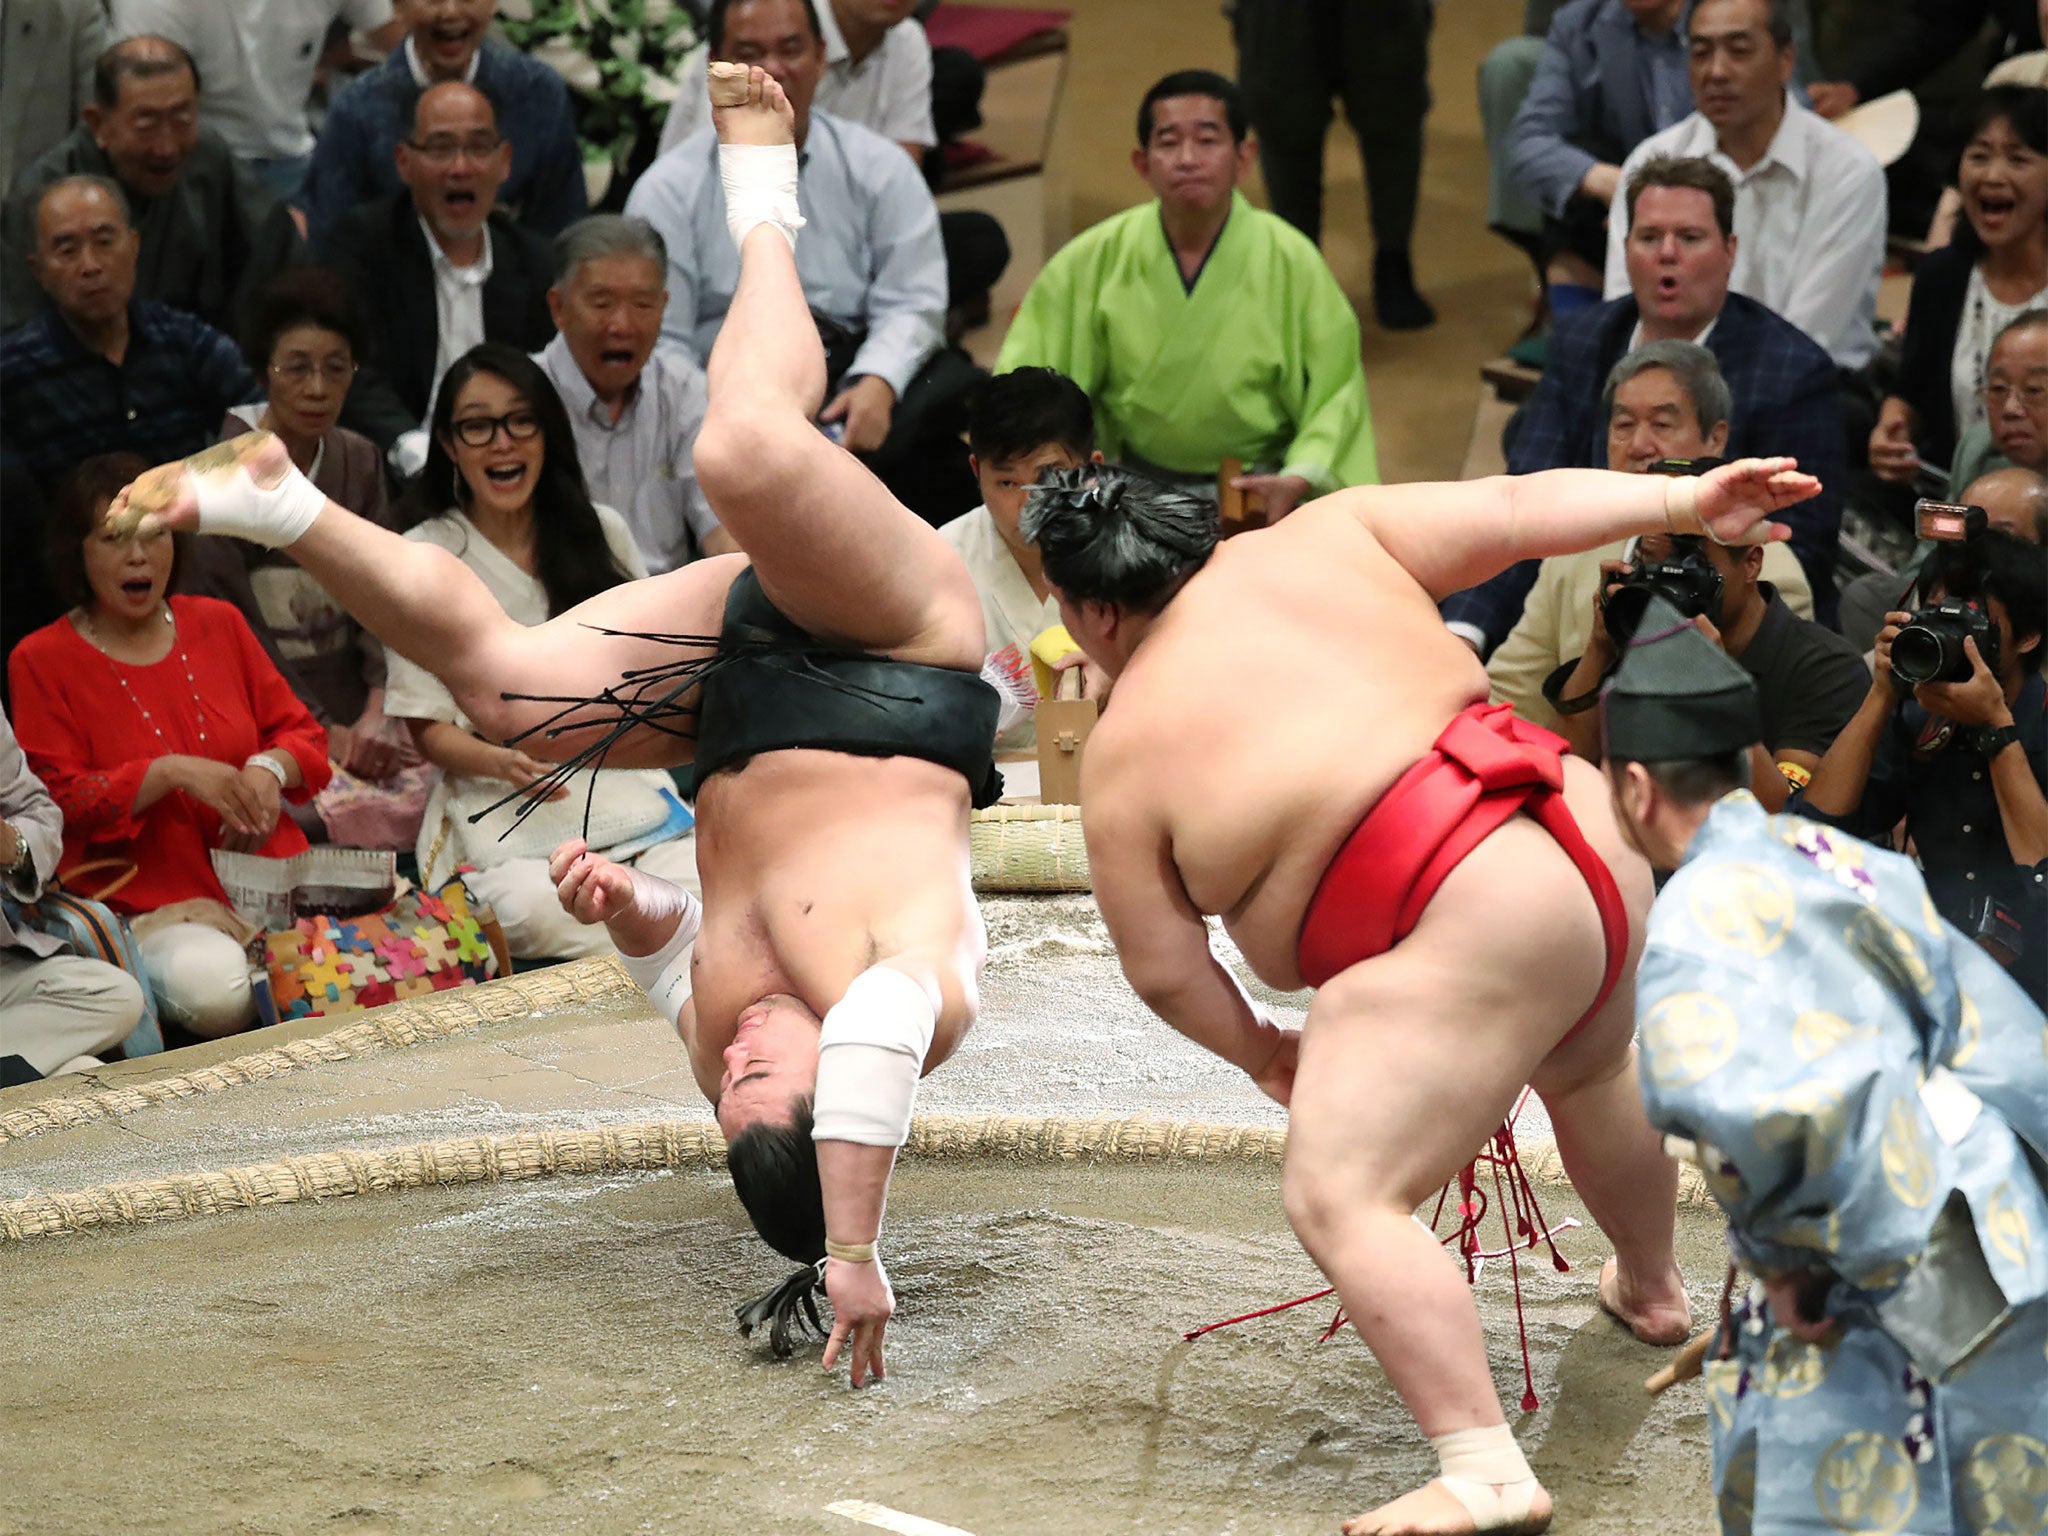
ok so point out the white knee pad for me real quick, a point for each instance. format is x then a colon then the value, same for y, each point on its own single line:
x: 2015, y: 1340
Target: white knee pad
x: 760, y: 188
x: 871, y: 1053
x: 234, y: 504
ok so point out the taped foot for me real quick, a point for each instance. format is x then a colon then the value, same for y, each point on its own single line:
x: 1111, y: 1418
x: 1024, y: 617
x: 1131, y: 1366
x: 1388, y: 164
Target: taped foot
x: 757, y: 162
x: 245, y: 488
x: 1664, y: 1320
x: 1457, y: 1506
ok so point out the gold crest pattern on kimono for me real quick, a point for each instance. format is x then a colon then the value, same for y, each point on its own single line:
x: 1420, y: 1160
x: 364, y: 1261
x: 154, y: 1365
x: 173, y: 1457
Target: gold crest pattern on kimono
x: 1886, y: 1148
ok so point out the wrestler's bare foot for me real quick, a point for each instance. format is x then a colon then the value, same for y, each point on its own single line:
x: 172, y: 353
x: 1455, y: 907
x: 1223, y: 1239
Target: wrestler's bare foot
x: 1433, y: 1510
x: 748, y: 106
x: 168, y: 496
x: 1656, y: 1315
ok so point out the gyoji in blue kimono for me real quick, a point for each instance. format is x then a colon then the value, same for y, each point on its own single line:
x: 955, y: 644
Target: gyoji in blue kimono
x: 1866, y: 1093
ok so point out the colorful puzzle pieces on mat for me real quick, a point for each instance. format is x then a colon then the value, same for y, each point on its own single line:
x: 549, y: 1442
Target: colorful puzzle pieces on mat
x: 423, y: 942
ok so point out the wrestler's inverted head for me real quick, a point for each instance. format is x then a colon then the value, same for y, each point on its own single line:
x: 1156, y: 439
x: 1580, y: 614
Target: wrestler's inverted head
x: 764, y: 1108
x: 1116, y: 547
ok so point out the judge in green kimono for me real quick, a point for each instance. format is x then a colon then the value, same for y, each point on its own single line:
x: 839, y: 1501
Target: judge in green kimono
x: 1202, y: 328
x: 1866, y: 1093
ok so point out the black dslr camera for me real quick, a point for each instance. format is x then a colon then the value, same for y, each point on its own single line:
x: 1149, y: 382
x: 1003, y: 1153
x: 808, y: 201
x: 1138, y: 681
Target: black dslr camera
x: 1685, y: 579
x: 1929, y: 646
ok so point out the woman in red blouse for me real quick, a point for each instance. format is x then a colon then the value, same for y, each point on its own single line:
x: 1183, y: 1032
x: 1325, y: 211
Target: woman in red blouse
x: 163, y: 731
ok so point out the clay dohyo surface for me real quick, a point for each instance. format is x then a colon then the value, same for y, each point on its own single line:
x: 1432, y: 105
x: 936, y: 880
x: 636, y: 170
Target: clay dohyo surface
x: 560, y: 1357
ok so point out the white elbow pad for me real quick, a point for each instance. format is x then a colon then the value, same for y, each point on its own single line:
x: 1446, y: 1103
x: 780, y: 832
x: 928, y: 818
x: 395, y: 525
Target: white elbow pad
x: 665, y: 975
x: 871, y: 1052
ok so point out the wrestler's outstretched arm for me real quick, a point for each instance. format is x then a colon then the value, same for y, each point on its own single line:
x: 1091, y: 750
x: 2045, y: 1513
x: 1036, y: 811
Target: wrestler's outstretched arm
x: 1163, y: 945
x: 1456, y: 535
x: 432, y: 609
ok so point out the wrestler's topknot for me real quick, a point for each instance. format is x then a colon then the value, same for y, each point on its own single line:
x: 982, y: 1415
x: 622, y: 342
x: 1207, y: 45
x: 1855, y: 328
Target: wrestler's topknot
x: 1106, y: 535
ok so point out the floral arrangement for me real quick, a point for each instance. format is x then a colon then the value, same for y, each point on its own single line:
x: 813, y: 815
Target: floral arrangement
x: 620, y: 57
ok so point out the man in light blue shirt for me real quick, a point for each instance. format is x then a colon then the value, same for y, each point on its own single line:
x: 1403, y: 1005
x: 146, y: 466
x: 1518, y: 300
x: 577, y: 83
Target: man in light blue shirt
x: 871, y: 261
x: 635, y: 407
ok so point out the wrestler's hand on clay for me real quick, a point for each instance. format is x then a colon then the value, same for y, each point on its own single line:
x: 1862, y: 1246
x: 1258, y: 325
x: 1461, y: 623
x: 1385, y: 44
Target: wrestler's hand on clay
x: 862, y: 1304
x: 1733, y: 503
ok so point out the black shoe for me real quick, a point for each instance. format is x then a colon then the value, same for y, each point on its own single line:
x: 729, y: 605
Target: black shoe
x: 1394, y: 298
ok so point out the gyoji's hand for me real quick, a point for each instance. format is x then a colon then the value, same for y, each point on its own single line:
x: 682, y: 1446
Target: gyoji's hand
x: 590, y: 887
x: 862, y: 1304
x: 1734, y: 502
x: 1978, y: 701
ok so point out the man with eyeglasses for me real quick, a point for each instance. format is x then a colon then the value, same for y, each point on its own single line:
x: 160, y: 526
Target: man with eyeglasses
x: 2015, y: 426
x: 353, y: 161
x: 438, y: 268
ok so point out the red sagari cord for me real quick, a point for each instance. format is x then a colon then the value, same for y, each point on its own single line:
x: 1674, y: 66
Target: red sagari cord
x: 1520, y: 1215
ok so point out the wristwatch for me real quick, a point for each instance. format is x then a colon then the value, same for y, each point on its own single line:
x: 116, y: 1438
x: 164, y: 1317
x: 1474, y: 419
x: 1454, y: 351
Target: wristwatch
x: 22, y: 872
x: 1990, y: 740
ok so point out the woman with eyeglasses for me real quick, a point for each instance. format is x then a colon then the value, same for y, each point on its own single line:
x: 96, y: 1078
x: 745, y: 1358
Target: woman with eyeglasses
x: 503, y: 490
x: 304, y: 341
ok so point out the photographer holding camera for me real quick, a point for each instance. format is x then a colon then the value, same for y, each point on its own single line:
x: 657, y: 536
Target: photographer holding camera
x: 1952, y: 738
x: 1809, y: 680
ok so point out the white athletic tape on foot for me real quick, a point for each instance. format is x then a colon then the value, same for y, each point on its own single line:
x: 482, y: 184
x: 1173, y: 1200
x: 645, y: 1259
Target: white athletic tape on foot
x: 235, y: 504
x: 891, y: 1519
x: 1484, y: 1470
x: 760, y: 188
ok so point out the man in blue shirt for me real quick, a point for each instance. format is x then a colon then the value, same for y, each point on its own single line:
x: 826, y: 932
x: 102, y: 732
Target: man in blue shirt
x: 354, y: 159
x: 105, y: 371
x: 871, y: 261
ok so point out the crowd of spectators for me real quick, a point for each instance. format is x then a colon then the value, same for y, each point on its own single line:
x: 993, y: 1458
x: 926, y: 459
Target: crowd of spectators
x: 365, y: 225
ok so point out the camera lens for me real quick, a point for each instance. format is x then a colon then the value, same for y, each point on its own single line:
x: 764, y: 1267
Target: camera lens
x: 1920, y: 654
x: 1623, y: 612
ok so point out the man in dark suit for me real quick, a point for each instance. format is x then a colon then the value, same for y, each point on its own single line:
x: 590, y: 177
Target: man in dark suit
x: 438, y: 268
x: 1787, y: 401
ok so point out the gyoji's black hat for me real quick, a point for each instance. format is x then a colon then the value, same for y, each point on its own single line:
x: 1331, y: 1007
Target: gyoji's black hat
x: 1677, y: 696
